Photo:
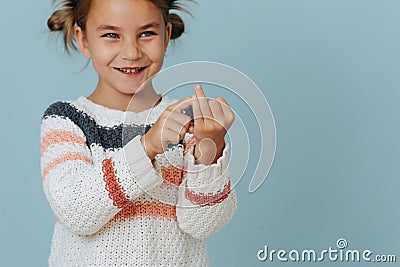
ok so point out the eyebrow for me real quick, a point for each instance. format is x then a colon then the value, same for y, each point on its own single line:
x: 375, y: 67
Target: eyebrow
x: 150, y: 25
x: 105, y: 27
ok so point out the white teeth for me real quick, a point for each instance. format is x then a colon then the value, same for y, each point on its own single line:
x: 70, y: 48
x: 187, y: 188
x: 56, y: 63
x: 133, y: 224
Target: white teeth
x: 131, y: 71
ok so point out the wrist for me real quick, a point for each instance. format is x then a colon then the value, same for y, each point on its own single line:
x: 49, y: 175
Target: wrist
x: 208, y: 152
x: 147, y: 148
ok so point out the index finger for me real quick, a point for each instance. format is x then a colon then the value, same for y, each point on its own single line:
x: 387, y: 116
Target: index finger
x: 181, y: 104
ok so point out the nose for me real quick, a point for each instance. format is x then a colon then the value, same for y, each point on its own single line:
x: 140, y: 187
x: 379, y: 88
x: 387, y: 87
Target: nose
x: 131, y: 50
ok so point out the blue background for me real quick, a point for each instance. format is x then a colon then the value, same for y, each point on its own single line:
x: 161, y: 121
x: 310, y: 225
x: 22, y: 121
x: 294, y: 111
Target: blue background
x: 330, y: 72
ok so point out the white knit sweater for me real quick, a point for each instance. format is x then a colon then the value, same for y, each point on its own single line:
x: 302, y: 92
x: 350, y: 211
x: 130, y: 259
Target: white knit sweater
x: 115, y: 207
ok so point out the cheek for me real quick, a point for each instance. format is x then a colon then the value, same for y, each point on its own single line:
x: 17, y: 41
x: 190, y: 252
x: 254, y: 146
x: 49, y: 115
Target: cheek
x: 102, y: 55
x: 155, y: 51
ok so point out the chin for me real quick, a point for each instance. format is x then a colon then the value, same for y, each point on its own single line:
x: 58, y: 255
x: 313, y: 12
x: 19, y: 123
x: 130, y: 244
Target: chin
x: 130, y: 90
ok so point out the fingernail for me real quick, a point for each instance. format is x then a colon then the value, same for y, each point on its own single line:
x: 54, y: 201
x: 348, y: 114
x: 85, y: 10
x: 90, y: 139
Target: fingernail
x: 198, y: 86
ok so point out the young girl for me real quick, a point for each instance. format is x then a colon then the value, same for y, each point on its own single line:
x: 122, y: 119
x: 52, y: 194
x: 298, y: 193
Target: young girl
x: 132, y: 202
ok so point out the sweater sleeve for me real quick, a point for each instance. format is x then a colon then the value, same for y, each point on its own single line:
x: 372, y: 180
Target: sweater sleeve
x: 85, y: 193
x: 206, y: 199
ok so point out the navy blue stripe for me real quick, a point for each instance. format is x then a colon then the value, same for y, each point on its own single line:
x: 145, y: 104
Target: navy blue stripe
x: 107, y: 137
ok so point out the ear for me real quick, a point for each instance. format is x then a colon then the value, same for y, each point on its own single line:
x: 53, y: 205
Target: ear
x: 82, y: 42
x: 168, y: 32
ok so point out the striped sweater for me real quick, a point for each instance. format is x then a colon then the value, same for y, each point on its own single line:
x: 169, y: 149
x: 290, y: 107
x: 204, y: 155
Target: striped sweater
x: 116, y: 207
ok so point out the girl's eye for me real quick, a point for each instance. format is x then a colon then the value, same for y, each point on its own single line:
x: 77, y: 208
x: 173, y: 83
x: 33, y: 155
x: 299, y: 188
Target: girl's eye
x: 111, y: 35
x: 148, y: 33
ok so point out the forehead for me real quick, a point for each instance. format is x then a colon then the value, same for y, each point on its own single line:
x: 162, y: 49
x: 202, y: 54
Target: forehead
x: 123, y: 13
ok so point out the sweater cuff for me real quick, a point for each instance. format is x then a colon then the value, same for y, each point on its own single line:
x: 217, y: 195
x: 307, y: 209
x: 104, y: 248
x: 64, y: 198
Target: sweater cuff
x: 208, y: 179
x: 140, y: 166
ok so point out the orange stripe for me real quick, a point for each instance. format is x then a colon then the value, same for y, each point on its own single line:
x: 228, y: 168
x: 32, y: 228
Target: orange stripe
x: 60, y: 136
x: 115, y: 190
x: 208, y: 199
x: 172, y: 175
x: 62, y: 159
x: 146, y: 209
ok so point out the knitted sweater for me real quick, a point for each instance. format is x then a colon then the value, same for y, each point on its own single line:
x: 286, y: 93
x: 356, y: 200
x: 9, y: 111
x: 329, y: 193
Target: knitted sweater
x: 116, y: 207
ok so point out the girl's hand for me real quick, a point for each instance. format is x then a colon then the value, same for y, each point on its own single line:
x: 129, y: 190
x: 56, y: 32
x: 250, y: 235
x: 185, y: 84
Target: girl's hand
x: 212, y: 119
x: 170, y: 127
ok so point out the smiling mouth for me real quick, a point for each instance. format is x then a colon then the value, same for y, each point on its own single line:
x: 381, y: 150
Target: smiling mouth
x: 130, y: 70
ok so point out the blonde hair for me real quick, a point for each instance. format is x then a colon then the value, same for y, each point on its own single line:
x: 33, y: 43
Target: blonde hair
x: 75, y: 12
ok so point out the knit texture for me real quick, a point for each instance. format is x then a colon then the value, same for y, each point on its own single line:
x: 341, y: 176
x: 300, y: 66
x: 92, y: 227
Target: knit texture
x: 116, y: 207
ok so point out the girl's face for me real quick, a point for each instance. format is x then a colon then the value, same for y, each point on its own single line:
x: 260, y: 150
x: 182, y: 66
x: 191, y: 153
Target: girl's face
x: 126, y: 41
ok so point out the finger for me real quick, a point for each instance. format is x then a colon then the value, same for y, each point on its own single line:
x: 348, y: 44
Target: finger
x: 226, y: 109
x: 191, y: 129
x: 173, y: 125
x: 217, y: 111
x: 198, y: 116
x: 177, y: 122
x: 169, y: 137
x: 179, y: 130
x: 203, y: 102
x: 199, y: 90
x: 180, y: 118
x: 181, y: 104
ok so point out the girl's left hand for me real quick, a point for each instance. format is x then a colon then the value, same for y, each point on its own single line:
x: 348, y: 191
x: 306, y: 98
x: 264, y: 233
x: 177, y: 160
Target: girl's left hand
x: 212, y: 120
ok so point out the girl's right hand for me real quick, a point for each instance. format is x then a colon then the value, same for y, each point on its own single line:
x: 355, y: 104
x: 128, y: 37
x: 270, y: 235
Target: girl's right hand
x: 171, y: 126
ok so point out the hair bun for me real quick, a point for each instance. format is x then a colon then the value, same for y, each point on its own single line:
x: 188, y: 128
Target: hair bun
x: 58, y: 20
x: 63, y: 21
x: 178, y: 26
